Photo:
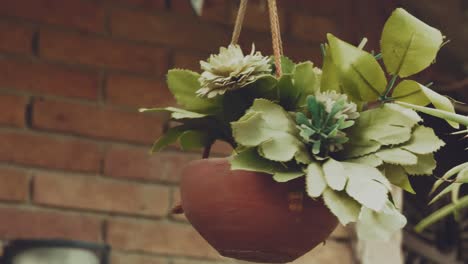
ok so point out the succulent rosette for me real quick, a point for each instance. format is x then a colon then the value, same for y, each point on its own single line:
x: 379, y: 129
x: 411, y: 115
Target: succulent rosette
x: 350, y: 129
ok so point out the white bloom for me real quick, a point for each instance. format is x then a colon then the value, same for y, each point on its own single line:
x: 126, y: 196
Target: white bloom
x: 329, y: 98
x: 231, y: 70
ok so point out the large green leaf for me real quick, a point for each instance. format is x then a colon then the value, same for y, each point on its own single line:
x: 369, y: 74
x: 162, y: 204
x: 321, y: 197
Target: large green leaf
x: 315, y: 180
x: 366, y: 185
x: 288, y: 92
x: 287, y: 176
x: 397, y: 156
x: 358, y: 69
x: 397, y: 176
x: 408, y: 45
x: 176, y: 113
x: 335, y: 174
x: 423, y: 141
x: 194, y: 139
x: 250, y: 160
x: 425, y: 166
x: 379, y: 226
x: 306, y: 81
x: 345, y: 208
x: 415, y: 93
x: 169, y: 137
x: 183, y: 84
x: 287, y: 65
x: 269, y: 127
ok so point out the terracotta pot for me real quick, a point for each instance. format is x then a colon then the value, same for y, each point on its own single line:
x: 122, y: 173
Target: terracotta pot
x: 246, y: 215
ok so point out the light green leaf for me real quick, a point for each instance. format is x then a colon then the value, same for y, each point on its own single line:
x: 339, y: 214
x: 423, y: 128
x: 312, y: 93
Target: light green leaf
x: 250, y: 160
x: 306, y: 81
x: 358, y: 147
x: 397, y: 156
x: 389, y: 134
x: 183, y: 84
x: 335, y: 174
x: 379, y: 226
x: 367, y: 185
x: 287, y: 65
x: 397, y: 176
x: 194, y: 139
x: 449, y: 174
x: 408, y: 45
x: 330, y: 78
x: 288, y: 92
x: 315, y: 180
x: 176, y: 113
x: 358, y: 69
x: 287, y: 176
x: 425, y: 166
x: 456, y: 118
x: 270, y: 128
x: 442, y: 213
x: 415, y: 93
x: 423, y: 141
x: 370, y: 160
x: 345, y: 208
x: 170, y: 137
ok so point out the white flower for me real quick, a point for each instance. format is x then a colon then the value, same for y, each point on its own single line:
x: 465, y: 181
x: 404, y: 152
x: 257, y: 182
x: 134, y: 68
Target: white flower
x: 329, y: 98
x: 231, y: 70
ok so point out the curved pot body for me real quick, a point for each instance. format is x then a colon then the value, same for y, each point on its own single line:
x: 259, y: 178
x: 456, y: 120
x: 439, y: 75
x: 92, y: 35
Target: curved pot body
x: 246, y: 215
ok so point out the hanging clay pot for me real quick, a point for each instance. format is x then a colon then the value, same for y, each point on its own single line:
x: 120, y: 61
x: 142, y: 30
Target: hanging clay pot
x: 248, y: 216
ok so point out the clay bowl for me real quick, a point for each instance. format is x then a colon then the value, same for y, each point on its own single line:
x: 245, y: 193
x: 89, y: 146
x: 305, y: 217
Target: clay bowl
x: 247, y: 216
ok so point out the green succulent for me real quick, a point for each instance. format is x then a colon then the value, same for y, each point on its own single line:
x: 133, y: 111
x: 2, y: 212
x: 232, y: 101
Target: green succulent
x: 322, y: 125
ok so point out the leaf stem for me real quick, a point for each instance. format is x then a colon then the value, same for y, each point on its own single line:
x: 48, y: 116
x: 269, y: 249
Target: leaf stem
x: 390, y: 87
x: 322, y: 49
x: 206, y: 151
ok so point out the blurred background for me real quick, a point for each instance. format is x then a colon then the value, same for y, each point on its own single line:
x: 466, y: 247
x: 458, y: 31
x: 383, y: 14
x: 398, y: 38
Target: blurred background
x: 74, y: 160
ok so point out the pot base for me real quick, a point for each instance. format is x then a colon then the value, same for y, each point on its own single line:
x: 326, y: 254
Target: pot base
x: 257, y: 256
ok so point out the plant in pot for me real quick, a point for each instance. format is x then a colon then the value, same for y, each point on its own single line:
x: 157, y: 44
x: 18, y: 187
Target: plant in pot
x: 311, y: 147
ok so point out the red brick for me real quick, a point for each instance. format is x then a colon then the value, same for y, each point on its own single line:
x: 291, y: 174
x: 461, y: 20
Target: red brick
x: 122, y: 258
x: 44, y: 151
x: 13, y: 110
x: 312, y: 28
x: 329, y: 7
x: 95, y: 121
x: 216, y: 10
x: 16, y: 223
x: 15, y: 185
x: 146, y: 4
x: 158, y: 237
x: 100, y: 194
x: 137, y: 163
x: 169, y: 29
x: 80, y: 14
x: 102, y: 52
x: 48, y: 79
x: 15, y: 38
x: 176, y: 201
x: 186, y: 60
x: 221, y: 148
x: 138, y: 92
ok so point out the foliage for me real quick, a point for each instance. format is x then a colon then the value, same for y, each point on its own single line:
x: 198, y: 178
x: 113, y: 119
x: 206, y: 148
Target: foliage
x: 350, y: 129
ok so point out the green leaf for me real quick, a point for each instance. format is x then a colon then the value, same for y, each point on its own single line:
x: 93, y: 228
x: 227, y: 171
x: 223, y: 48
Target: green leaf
x: 288, y: 93
x: 287, y: 65
x: 250, y: 160
x: 379, y: 226
x: 287, y: 176
x: 170, y: 137
x: 335, y: 174
x: 194, y: 139
x: 330, y: 79
x: 367, y: 185
x: 358, y: 69
x: 370, y: 160
x: 263, y: 87
x: 415, y: 93
x: 450, y: 173
x: 408, y: 45
x: 345, y: 208
x: 425, y: 166
x: 315, y: 180
x: 272, y: 129
x: 183, y: 85
x: 397, y: 156
x: 449, y: 116
x: 397, y: 176
x: 423, y: 141
x: 176, y: 113
x: 441, y: 213
x: 306, y: 81
x: 445, y: 191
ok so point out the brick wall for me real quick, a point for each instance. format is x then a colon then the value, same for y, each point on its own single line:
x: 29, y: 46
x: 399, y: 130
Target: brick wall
x: 73, y: 149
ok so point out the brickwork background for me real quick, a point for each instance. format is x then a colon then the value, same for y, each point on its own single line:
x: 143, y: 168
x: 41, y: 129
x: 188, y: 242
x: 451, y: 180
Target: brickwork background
x: 73, y: 149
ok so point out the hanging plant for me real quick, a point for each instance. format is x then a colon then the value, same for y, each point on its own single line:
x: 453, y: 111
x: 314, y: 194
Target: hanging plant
x: 311, y: 146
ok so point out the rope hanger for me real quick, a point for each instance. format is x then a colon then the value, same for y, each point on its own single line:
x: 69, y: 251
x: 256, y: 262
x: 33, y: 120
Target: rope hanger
x: 274, y: 27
